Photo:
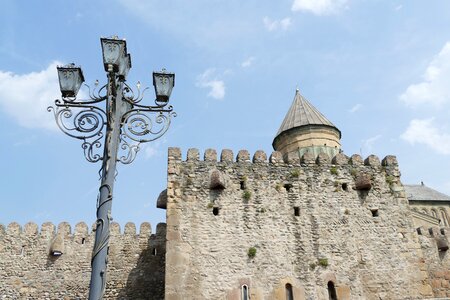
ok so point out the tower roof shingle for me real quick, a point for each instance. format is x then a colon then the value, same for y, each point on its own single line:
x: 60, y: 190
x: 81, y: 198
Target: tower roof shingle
x: 302, y: 113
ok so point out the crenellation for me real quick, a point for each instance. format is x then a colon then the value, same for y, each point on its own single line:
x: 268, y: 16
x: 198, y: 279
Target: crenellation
x: 356, y: 160
x: 243, y: 156
x: 31, y: 229
x: 276, y: 158
x: 114, y: 228
x: 64, y: 229
x: 174, y: 154
x: 259, y: 157
x: 323, y: 159
x: 340, y: 159
x: 81, y: 229
x: 308, y: 159
x: 292, y: 158
x: 47, y: 230
x: 193, y: 155
x: 373, y: 161
x: 14, y: 229
x: 145, y: 230
x: 130, y: 229
x: 210, y: 155
x: 56, y: 264
x: 226, y: 155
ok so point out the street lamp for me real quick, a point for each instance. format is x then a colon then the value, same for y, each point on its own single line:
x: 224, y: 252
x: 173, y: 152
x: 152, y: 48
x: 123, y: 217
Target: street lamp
x: 123, y: 122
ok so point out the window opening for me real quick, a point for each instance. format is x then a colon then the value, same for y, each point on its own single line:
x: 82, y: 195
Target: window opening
x: 444, y: 218
x: 288, y: 187
x: 242, y: 185
x: 289, y: 292
x: 344, y: 187
x: 245, y: 292
x: 83, y: 240
x: 296, y: 211
x: 215, y: 211
x: 331, y: 291
x: 374, y: 212
x: 154, y: 251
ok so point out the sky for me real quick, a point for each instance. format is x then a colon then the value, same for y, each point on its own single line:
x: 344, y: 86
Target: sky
x: 379, y: 70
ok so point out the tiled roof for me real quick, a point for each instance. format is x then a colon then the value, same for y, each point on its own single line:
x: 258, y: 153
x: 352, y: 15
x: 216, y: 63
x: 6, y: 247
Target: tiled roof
x: 302, y: 113
x: 420, y: 192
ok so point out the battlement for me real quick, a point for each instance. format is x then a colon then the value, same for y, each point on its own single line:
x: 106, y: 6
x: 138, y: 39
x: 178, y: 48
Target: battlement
x: 64, y: 229
x: 38, y: 261
x: 276, y: 158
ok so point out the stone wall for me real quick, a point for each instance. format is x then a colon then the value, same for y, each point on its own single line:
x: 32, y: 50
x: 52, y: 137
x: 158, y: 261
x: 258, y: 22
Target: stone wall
x: 436, y: 258
x: 30, y: 267
x: 313, y: 221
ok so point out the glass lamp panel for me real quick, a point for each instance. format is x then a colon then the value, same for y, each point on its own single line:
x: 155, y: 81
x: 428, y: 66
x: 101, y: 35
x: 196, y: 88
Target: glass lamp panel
x: 70, y: 80
x: 125, y: 66
x: 163, y: 83
x: 113, y: 51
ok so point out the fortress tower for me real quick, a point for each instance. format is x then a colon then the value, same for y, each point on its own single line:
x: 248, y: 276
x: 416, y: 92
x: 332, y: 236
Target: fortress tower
x: 305, y: 129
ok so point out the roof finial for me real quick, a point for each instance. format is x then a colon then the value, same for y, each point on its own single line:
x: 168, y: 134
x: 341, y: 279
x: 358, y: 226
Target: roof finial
x: 297, y: 90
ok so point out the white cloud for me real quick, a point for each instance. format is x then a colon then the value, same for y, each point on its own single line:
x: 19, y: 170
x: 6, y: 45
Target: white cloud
x: 355, y: 108
x: 320, y: 7
x: 425, y: 132
x: 399, y: 7
x: 273, y: 25
x: 435, y: 87
x: 26, y: 97
x: 150, y: 152
x: 370, y: 142
x: 248, y: 62
x: 208, y: 80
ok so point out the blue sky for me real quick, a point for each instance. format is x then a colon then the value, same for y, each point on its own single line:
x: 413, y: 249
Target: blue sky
x: 379, y: 70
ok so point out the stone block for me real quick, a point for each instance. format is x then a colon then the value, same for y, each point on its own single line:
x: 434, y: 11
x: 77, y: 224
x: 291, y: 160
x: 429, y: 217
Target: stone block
x: 389, y: 160
x: 161, y: 202
x: 259, y: 157
x: 340, y: 159
x: 356, y: 160
x: 308, y: 159
x: 243, y: 156
x: 217, y: 181
x: 276, y: 157
x: 174, y: 154
x: 372, y: 160
x: 193, y: 155
x: 226, y: 155
x: 323, y: 159
x: 210, y: 155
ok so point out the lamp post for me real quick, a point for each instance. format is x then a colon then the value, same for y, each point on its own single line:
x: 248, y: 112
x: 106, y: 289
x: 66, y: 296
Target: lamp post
x: 123, y: 122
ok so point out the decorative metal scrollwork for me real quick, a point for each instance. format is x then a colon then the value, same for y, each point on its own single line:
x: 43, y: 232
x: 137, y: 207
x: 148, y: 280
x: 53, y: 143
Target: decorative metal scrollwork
x: 84, y: 122
x: 141, y: 126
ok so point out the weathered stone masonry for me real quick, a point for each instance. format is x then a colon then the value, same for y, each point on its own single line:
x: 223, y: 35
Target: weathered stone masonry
x: 364, y: 241
x: 31, y: 269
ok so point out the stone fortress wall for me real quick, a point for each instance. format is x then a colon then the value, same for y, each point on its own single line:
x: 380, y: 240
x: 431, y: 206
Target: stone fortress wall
x: 313, y: 221
x: 55, y: 264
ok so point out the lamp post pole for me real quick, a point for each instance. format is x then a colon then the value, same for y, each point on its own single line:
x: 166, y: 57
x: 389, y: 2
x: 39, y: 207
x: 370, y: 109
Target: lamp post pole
x: 124, y: 124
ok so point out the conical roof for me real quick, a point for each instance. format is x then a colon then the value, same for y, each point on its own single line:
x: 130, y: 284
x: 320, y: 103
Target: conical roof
x: 303, y: 113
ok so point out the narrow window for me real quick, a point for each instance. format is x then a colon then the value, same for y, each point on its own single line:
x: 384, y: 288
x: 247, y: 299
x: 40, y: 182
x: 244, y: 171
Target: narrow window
x: 83, y: 240
x: 374, y: 212
x: 344, y: 187
x: 242, y: 185
x: 296, y: 211
x: 215, y: 211
x: 288, y: 187
x: 331, y: 291
x: 434, y: 213
x: 444, y: 218
x: 154, y: 251
x: 244, y: 292
x: 289, y: 293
